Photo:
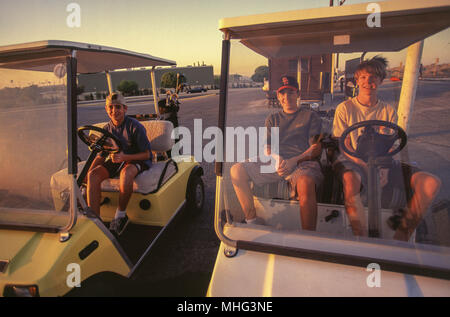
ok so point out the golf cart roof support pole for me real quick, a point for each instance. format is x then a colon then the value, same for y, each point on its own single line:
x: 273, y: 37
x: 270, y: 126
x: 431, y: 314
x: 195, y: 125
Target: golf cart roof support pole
x: 71, y: 65
x: 155, y: 93
x: 409, y: 86
x: 374, y: 202
x: 299, y: 78
x: 72, y: 140
x: 223, y: 94
x: 333, y: 67
x: 109, y: 81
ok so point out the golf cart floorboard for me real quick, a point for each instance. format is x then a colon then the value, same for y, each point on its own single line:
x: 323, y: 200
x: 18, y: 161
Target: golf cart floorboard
x: 136, y: 239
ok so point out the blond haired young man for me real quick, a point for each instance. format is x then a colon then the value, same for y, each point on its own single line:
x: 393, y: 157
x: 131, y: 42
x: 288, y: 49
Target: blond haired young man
x: 352, y: 171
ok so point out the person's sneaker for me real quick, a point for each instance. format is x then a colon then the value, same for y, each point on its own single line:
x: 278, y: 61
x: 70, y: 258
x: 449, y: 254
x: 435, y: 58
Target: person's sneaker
x: 118, y: 225
x: 256, y: 221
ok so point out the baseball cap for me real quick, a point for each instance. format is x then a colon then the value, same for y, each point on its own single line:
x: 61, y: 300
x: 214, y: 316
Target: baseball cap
x: 288, y: 82
x: 115, y: 98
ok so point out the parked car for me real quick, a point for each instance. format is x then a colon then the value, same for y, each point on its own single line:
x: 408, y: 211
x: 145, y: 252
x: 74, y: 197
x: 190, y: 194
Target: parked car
x: 192, y: 90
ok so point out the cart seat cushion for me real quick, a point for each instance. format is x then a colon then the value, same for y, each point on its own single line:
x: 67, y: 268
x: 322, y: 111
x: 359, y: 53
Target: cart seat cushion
x: 277, y: 190
x: 144, y: 183
x: 159, y: 134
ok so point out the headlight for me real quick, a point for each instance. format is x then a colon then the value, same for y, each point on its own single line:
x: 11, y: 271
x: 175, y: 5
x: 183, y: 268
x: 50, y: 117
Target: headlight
x: 21, y: 291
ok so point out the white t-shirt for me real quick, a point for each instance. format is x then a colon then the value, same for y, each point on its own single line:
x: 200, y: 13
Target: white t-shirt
x: 351, y: 111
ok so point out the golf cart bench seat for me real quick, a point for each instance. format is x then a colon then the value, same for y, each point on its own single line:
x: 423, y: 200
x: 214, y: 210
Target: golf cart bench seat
x: 281, y: 190
x: 159, y: 134
x: 330, y: 191
x: 149, y: 181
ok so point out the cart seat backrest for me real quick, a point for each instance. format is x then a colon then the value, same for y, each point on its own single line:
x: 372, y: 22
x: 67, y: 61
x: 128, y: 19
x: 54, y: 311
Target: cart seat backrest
x: 158, y: 133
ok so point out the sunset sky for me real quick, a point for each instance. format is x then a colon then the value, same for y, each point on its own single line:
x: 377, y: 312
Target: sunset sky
x: 184, y: 31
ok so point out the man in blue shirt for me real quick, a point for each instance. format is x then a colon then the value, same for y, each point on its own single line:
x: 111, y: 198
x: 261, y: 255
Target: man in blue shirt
x: 134, y: 159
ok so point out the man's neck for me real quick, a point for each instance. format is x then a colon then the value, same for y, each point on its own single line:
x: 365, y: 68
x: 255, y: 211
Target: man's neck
x: 290, y: 110
x: 367, y: 100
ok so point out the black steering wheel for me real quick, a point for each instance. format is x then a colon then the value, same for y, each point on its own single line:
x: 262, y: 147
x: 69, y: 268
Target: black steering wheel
x: 101, y: 141
x: 372, y: 144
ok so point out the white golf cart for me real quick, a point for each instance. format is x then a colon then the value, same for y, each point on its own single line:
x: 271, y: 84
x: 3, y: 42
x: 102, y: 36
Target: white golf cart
x: 278, y: 258
x: 50, y: 241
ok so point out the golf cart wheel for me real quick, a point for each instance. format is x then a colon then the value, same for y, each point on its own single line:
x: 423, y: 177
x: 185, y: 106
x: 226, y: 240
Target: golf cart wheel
x: 196, y: 194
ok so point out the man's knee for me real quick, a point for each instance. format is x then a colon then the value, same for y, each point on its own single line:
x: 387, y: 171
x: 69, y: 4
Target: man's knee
x: 351, y: 182
x: 238, y: 172
x: 306, y: 187
x: 97, y: 175
x: 128, y: 173
x: 426, y: 183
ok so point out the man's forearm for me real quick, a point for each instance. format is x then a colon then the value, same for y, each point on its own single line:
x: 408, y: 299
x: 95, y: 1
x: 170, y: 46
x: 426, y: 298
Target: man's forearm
x: 306, y: 156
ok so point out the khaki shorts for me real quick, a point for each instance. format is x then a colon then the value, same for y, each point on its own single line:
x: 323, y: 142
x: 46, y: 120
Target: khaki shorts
x: 115, y: 168
x: 396, y: 193
x: 307, y: 168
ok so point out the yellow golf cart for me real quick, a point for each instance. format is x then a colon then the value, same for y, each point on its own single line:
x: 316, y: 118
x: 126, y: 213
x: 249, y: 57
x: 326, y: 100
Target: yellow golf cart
x: 278, y: 258
x: 50, y: 241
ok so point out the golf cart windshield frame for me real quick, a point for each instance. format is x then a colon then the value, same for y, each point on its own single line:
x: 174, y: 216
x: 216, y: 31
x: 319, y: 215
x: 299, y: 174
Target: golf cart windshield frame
x: 80, y: 58
x: 33, y: 61
x: 265, y: 34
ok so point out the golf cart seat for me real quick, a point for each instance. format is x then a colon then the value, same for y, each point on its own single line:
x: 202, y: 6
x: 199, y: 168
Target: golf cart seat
x: 159, y: 134
x: 149, y: 181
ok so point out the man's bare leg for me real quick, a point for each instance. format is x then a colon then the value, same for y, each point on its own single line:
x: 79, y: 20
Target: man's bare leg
x: 127, y: 176
x: 95, y: 177
x: 425, y: 187
x: 306, y: 191
x: 355, y: 210
x: 241, y: 184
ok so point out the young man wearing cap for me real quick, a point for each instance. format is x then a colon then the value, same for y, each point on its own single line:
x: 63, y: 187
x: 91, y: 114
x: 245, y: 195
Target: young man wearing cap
x: 353, y: 171
x: 296, y: 160
x: 134, y: 159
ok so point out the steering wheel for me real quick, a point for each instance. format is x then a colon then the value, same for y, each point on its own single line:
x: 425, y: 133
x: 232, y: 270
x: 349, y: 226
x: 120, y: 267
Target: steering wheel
x: 106, y: 141
x: 372, y: 144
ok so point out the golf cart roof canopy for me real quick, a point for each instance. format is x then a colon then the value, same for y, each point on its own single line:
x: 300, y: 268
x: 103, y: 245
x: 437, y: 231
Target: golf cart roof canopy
x: 90, y: 58
x: 341, y: 29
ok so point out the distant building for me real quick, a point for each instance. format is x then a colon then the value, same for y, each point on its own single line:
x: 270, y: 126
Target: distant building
x: 195, y: 76
x: 239, y: 81
x: 315, y: 72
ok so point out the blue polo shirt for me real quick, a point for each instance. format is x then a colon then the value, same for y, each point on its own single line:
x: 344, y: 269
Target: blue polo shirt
x: 132, y: 136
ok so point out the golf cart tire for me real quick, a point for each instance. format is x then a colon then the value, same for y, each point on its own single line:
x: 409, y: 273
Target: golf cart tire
x: 195, y: 183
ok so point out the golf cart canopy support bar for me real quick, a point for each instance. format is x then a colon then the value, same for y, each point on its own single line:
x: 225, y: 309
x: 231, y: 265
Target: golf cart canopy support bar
x: 71, y: 65
x: 109, y: 81
x: 223, y: 93
x: 155, y: 91
x: 341, y: 29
